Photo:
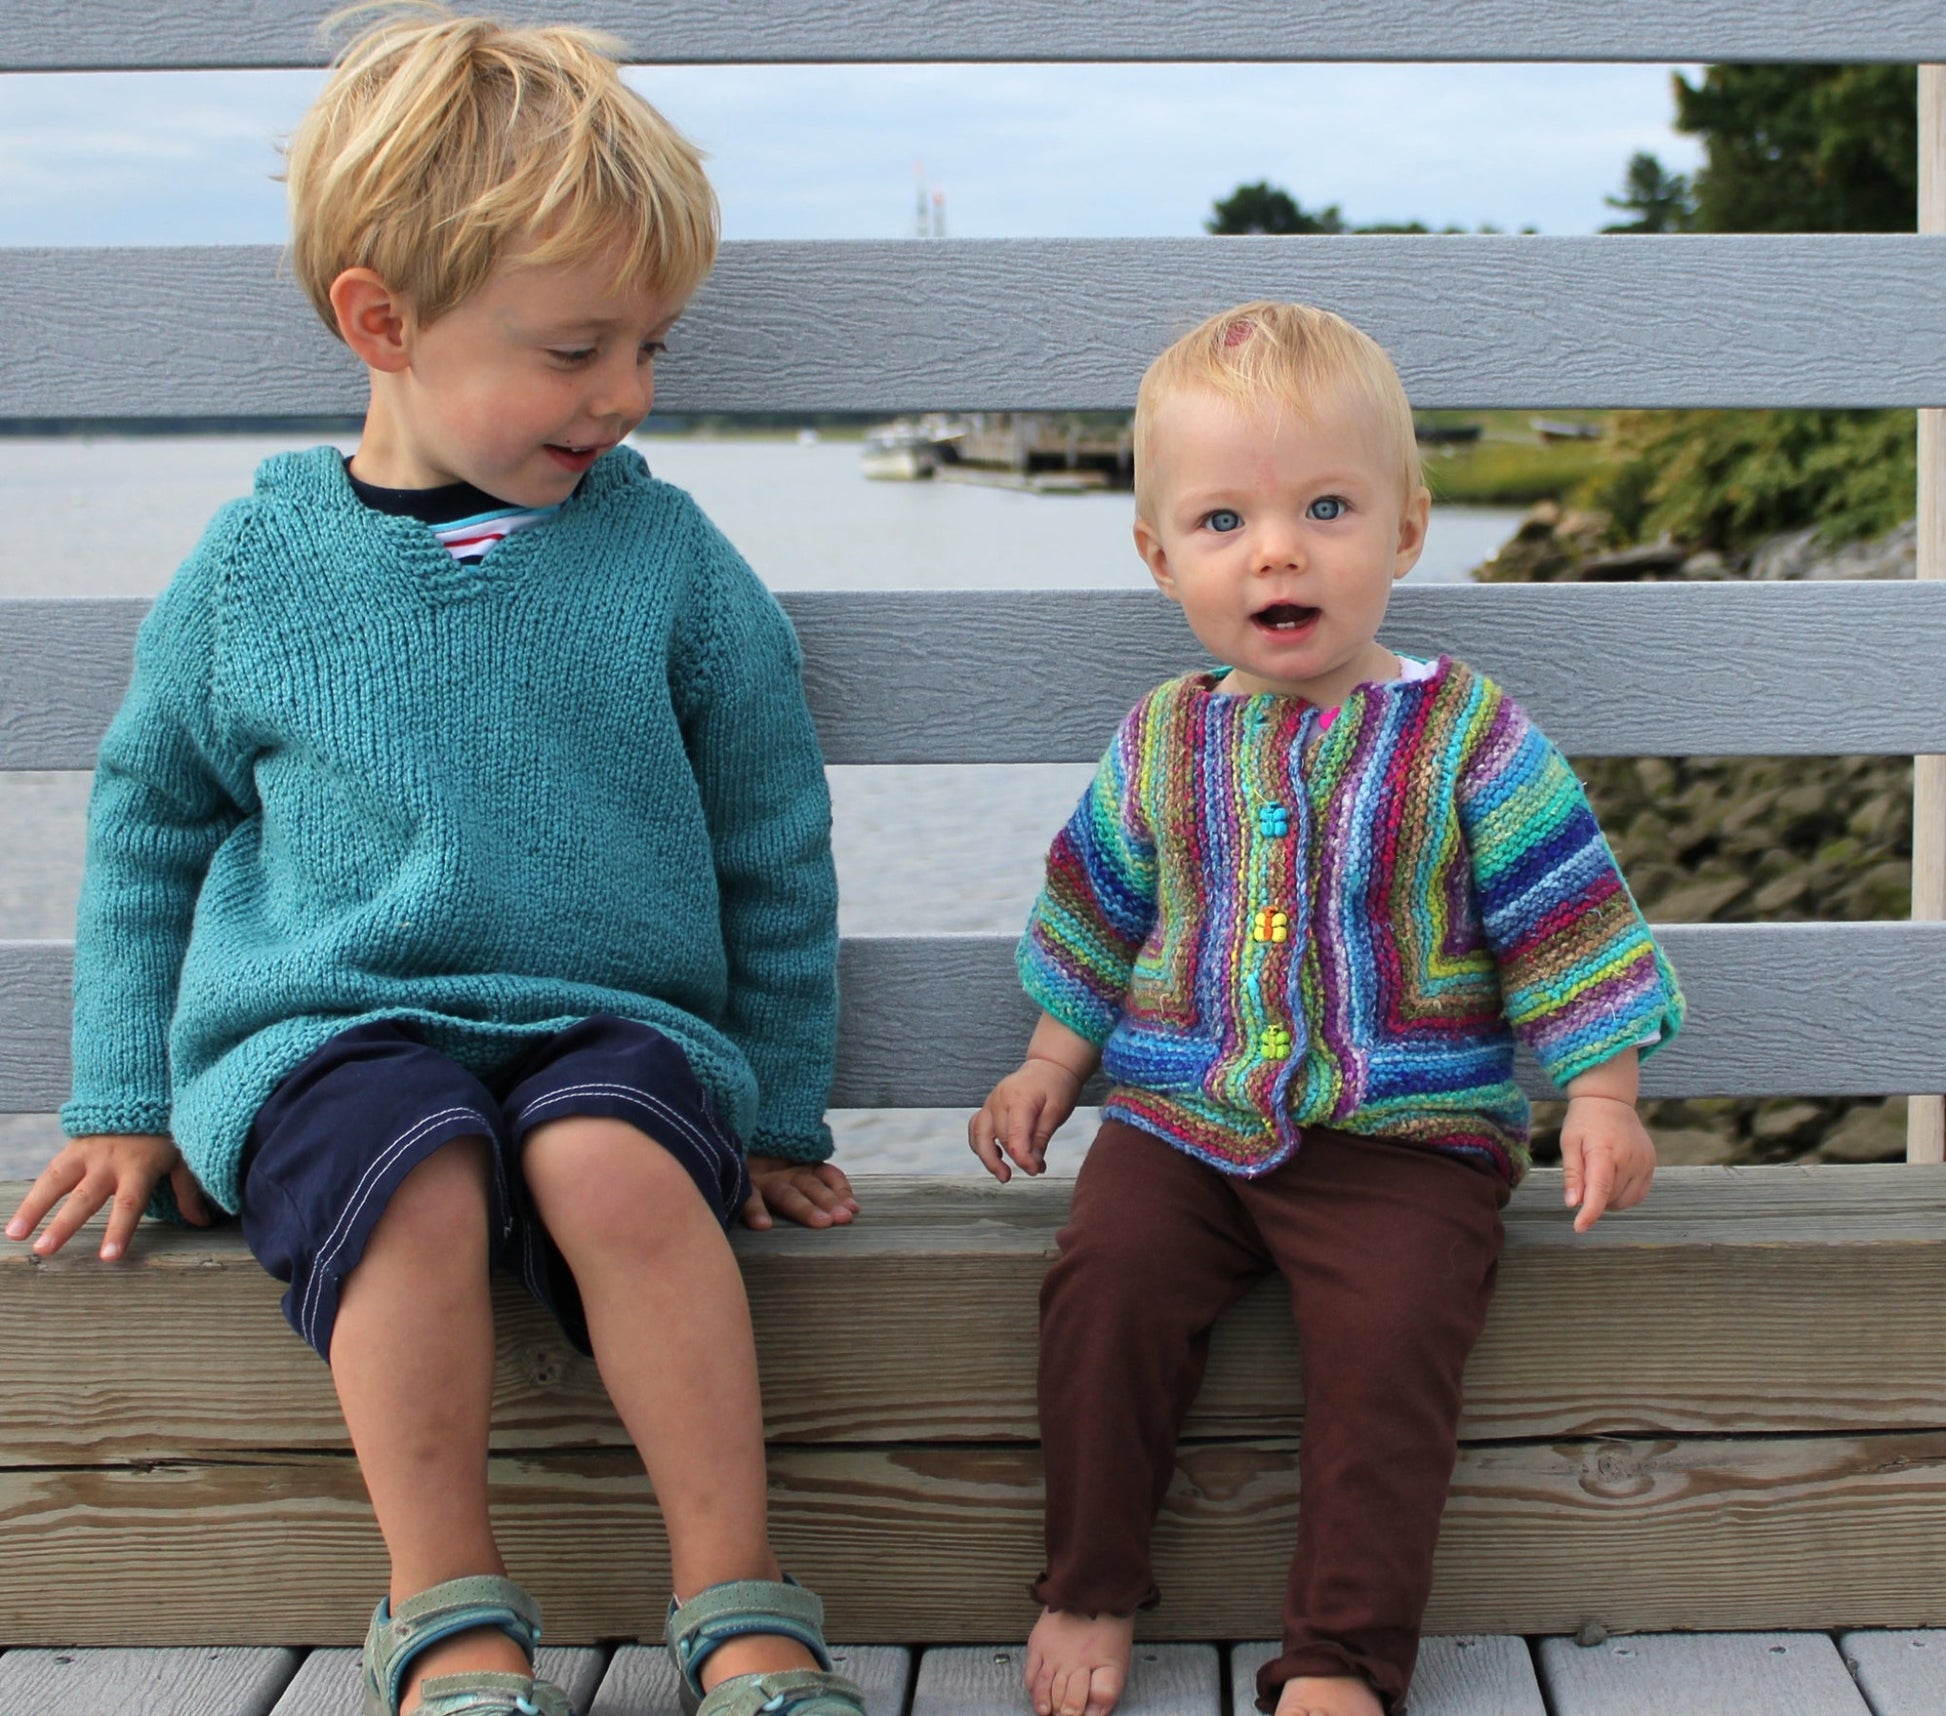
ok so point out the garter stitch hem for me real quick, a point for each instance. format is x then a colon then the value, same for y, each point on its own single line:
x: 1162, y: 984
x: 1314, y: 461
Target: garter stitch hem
x: 356, y: 779
x: 1268, y: 921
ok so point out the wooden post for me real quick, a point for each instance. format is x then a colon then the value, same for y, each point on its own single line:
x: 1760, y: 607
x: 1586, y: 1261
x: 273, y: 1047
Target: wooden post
x: 1926, y: 1123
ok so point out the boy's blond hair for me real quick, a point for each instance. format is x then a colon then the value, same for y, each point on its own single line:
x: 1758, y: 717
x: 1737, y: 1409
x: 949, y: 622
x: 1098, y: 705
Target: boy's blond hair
x: 1284, y: 356
x: 442, y: 144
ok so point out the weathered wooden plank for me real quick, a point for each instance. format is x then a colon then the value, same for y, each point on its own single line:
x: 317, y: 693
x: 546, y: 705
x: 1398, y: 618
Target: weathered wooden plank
x: 935, y: 1021
x: 1901, y: 1674
x: 1606, y: 669
x: 1468, y: 1676
x: 1473, y: 321
x: 641, y: 1681
x: 93, y: 34
x: 1754, y: 1302
x: 937, y: 1543
x: 985, y: 1680
x: 178, y: 1681
x: 1749, y: 1674
x: 326, y: 1683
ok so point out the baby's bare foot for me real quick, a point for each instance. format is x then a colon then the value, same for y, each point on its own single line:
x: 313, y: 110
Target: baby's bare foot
x: 1077, y: 1664
x: 1317, y: 1695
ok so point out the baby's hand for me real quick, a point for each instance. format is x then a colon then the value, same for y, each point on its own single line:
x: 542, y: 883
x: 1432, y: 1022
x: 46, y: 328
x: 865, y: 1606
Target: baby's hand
x: 1023, y: 1113
x: 1607, y: 1157
x: 92, y: 1171
x: 812, y: 1194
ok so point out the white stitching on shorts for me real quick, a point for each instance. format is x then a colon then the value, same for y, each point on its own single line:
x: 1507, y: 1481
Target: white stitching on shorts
x: 719, y: 1150
x: 361, y: 1195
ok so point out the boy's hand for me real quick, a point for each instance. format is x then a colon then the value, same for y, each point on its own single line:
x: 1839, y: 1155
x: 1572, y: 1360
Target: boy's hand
x: 1025, y: 1110
x: 812, y: 1194
x: 1607, y: 1157
x: 92, y: 1171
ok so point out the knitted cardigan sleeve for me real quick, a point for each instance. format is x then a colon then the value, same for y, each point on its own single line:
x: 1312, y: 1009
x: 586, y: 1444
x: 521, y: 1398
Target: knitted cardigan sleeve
x: 1581, y: 977
x: 168, y: 789
x: 761, y: 774
x: 1099, y: 901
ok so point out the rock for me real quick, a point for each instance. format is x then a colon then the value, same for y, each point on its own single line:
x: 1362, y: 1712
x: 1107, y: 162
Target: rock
x: 1800, y: 554
x: 1871, y: 1132
x: 1781, y: 1119
x: 1695, y: 1147
x: 1706, y: 566
x: 1698, y: 902
x: 1625, y: 565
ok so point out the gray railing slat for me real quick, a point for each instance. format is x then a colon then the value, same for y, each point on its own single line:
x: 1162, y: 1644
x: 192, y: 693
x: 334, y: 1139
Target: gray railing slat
x: 1727, y: 1674
x: 1045, y: 675
x: 1807, y: 320
x: 185, y: 1681
x: 932, y: 1021
x: 94, y: 34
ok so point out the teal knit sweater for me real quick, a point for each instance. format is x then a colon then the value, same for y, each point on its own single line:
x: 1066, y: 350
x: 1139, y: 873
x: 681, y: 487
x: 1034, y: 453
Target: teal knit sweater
x: 355, y: 779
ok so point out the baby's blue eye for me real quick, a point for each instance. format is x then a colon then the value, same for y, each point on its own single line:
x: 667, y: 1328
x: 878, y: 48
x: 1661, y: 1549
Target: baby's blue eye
x: 1327, y: 507
x: 1223, y: 519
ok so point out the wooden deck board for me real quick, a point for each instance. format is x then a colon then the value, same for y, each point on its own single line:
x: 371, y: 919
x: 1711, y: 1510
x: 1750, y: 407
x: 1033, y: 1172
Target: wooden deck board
x: 172, y: 1681
x: 641, y: 1681
x: 1901, y: 1674
x: 1469, y: 1675
x: 936, y: 1543
x: 1743, y: 1674
x: 985, y: 1680
x: 326, y: 1683
x: 1755, y: 1304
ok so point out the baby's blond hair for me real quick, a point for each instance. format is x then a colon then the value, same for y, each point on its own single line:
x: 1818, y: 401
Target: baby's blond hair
x: 1284, y: 356
x: 442, y: 145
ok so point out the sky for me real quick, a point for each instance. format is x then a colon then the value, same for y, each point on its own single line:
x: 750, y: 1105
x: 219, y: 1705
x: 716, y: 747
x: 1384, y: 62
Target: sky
x: 815, y: 152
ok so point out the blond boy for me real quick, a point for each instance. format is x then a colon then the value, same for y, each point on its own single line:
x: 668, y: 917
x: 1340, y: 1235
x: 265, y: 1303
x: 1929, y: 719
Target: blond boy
x: 1299, y: 919
x: 459, y: 888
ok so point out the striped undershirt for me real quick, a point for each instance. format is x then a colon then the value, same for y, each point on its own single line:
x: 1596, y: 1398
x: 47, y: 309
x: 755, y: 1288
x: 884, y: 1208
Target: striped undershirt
x: 468, y: 520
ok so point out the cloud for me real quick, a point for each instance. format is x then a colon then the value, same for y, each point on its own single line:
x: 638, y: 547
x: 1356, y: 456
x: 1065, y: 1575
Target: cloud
x: 828, y: 151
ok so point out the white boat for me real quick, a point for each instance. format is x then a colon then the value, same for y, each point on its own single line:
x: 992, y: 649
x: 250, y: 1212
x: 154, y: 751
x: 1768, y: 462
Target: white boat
x: 898, y: 452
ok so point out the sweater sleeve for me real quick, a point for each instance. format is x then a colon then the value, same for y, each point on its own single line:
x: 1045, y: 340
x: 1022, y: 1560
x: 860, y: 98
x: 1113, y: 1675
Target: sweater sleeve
x: 1098, y: 903
x: 761, y: 774
x: 166, y: 793
x: 1581, y: 976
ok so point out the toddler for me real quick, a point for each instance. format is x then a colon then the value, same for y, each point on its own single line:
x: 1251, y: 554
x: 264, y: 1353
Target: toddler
x: 459, y: 887
x: 1299, y: 919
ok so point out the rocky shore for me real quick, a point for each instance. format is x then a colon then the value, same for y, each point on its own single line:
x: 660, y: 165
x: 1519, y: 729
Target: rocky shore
x: 1743, y: 839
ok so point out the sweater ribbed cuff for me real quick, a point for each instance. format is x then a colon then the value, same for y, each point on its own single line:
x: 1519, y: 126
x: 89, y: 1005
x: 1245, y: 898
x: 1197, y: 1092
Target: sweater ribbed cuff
x: 814, y: 1146
x: 85, y: 1119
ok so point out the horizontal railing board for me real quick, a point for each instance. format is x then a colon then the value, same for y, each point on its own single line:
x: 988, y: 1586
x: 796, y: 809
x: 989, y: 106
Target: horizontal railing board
x: 1754, y: 1305
x: 1000, y: 324
x: 1815, y: 1009
x: 95, y: 34
x: 955, y: 676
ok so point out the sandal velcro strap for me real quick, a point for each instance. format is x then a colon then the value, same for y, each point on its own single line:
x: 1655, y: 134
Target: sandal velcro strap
x: 789, y: 1692
x: 489, y: 1694
x: 739, y: 1608
x: 398, y: 1635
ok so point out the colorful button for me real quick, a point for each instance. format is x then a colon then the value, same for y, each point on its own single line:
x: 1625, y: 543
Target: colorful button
x: 1273, y: 821
x: 1275, y: 1043
x: 1271, y: 926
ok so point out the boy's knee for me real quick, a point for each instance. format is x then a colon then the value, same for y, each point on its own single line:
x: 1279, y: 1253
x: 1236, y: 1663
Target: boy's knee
x: 599, y: 1182
x: 442, y: 1204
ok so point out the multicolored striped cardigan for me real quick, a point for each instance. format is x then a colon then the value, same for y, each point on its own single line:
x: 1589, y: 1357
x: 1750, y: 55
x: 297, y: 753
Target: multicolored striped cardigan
x: 1270, y: 919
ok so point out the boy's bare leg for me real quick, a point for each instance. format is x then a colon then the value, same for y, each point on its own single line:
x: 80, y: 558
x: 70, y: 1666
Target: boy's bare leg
x: 1077, y: 1665
x: 670, y: 1326
x: 412, y: 1357
x: 1338, y: 1695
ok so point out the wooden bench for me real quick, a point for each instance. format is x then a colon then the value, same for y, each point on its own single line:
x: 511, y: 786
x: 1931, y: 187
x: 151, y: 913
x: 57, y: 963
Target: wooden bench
x: 1724, y: 1411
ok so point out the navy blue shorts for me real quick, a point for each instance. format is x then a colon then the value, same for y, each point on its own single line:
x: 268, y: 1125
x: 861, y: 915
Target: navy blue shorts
x: 336, y: 1138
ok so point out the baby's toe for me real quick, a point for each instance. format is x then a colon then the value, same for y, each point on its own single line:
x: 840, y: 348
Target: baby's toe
x: 1104, y: 1691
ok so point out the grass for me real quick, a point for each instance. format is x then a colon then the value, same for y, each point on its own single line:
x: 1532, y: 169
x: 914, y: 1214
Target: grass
x: 1510, y: 465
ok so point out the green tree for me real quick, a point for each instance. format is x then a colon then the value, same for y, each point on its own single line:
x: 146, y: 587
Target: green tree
x: 1658, y: 199
x: 1818, y: 148
x: 1806, y: 148
x: 1267, y: 208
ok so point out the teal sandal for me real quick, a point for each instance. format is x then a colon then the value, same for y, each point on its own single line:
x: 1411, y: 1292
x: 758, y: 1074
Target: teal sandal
x: 485, y: 1600
x: 738, y: 1609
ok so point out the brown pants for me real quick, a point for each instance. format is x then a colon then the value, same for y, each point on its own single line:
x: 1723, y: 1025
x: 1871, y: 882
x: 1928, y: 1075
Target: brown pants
x: 1391, y: 1253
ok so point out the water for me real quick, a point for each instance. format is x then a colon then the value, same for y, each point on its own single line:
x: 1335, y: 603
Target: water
x: 918, y: 848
